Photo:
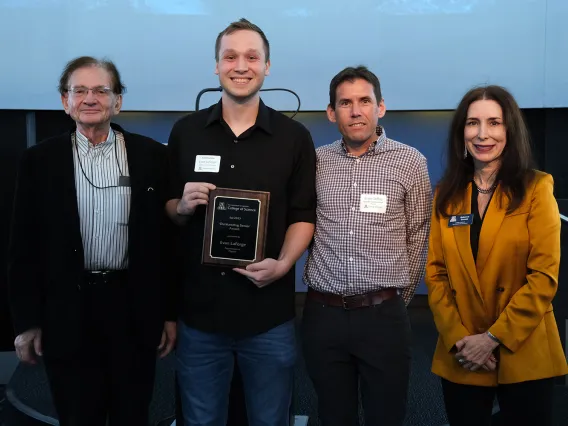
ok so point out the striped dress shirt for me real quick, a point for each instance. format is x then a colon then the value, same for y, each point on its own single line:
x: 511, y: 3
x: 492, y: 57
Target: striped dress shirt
x: 103, y: 212
x: 360, y: 247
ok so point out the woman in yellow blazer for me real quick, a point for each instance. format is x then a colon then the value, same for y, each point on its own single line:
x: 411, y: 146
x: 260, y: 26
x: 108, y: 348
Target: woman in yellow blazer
x: 492, y: 269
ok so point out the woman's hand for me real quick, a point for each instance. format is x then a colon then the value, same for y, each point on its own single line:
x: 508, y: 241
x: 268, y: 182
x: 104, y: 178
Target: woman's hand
x: 474, y: 351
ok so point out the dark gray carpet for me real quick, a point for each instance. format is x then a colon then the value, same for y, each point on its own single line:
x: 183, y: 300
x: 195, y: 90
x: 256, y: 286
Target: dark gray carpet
x: 2, y: 404
x: 425, y: 405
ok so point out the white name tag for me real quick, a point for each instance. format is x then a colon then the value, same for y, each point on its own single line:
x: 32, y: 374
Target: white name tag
x: 207, y: 163
x: 373, y: 203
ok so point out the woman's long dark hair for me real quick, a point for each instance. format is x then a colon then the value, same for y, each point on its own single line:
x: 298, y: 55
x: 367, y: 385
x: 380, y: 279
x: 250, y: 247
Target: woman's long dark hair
x: 517, y: 163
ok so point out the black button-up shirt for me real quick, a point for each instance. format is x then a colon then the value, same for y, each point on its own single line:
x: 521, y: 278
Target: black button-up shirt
x: 275, y: 155
x: 475, y: 228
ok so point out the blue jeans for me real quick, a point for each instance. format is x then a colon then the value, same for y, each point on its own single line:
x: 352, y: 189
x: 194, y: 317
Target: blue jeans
x: 205, y: 363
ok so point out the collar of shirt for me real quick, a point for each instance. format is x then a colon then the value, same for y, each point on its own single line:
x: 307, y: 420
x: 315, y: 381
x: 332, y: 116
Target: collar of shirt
x: 262, y: 118
x: 374, y: 148
x: 84, y: 145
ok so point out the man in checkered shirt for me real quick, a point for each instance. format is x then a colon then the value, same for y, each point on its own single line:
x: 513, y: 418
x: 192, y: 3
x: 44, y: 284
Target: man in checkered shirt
x: 366, y: 260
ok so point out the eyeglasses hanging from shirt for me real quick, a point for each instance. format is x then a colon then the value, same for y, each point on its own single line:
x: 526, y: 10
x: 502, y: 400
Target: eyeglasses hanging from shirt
x: 123, y: 181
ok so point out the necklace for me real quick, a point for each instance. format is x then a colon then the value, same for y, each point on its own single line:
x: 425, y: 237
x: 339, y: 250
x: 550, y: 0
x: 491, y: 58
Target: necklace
x: 486, y: 191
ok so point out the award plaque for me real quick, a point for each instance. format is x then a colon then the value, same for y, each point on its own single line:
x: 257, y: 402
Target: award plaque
x: 235, y: 227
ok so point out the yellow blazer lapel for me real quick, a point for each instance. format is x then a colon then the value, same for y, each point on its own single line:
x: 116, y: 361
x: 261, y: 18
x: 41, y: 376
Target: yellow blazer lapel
x: 492, y: 221
x: 461, y: 234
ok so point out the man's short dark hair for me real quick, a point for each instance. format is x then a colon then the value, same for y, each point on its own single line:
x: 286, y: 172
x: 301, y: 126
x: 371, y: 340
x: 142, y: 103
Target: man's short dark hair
x: 242, y: 24
x: 351, y: 74
x: 88, y: 61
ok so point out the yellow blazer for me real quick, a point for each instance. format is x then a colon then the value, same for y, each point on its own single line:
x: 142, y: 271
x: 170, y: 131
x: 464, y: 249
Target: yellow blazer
x: 508, y: 292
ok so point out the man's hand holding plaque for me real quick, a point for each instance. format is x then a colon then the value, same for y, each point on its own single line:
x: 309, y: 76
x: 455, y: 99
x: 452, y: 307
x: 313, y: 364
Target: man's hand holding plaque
x: 265, y: 272
x: 194, y: 194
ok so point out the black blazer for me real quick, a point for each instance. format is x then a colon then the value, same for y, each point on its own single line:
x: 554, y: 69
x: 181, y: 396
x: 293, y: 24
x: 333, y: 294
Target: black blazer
x: 45, y: 259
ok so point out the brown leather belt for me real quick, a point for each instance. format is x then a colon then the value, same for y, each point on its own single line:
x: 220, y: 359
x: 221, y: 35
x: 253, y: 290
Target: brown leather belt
x: 353, y: 302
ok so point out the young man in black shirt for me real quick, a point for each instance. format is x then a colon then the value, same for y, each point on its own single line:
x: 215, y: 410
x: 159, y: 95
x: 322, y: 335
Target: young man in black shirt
x: 240, y: 143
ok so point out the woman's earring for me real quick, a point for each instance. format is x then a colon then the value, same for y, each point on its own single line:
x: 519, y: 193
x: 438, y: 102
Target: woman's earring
x: 464, y: 152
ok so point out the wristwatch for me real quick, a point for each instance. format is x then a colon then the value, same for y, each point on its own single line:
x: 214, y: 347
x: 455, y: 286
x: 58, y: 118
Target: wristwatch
x: 492, y: 337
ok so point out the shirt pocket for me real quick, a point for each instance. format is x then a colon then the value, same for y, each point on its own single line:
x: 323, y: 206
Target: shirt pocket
x: 118, y: 205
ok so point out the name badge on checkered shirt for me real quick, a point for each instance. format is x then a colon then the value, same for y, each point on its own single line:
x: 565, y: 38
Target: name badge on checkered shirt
x: 373, y: 203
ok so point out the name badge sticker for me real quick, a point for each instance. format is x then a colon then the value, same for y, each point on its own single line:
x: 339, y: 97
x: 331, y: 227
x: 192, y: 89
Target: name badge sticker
x: 373, y: 203
x: 207, y: 163
x: 460, y: 220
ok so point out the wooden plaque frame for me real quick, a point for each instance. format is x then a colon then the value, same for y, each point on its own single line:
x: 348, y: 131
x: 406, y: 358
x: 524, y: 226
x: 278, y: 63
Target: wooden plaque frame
x: 224, y: 194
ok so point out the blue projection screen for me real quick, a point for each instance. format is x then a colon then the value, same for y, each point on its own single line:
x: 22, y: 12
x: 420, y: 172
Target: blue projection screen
x: 426, y: 52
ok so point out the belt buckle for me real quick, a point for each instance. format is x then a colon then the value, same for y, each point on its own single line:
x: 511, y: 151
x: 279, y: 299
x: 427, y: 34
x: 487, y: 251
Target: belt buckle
x: 344, y: 303
x: 102, y: 276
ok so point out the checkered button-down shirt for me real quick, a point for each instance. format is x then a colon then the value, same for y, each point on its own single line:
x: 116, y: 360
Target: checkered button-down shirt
x: 360, y: 247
